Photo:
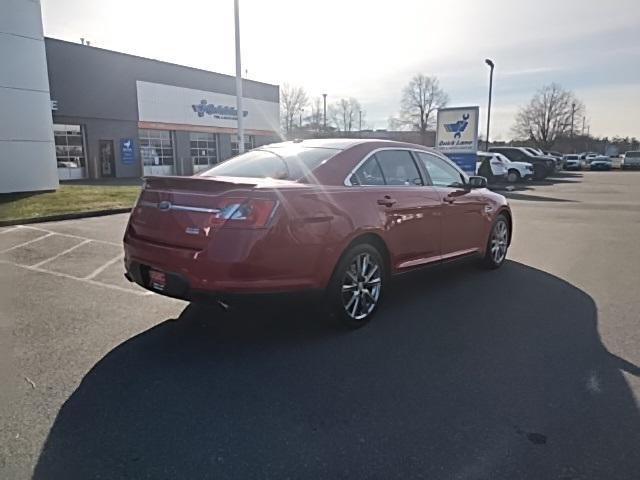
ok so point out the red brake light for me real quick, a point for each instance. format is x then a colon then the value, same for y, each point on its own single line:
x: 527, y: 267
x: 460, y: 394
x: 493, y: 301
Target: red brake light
x: 253, y: 212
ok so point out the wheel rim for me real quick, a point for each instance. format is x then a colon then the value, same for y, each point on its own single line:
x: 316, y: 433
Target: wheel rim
x: 361, y: 286
x: 499, y: 241
x: 512, y: 177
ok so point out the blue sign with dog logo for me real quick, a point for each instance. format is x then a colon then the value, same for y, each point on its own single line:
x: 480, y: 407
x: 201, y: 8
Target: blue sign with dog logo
x: 127, y: 153
x: 457, y: 136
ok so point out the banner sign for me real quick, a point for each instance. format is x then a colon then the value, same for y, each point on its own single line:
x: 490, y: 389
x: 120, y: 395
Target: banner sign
x: 127, y: 155
x: 457, y: 136
x: 185, y: 106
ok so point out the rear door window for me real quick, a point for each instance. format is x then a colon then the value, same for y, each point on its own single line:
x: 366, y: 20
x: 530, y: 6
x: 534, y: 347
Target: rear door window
x: 369, y: 173
x: 516, y: 155
x: 399, y: 168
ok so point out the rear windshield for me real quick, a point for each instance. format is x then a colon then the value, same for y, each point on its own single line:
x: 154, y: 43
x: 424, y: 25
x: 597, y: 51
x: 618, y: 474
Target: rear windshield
x: 285, y: 163
x: 632, y: 155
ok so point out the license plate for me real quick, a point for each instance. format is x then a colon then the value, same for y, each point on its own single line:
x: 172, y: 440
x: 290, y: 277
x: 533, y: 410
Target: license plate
x: 157, y: 279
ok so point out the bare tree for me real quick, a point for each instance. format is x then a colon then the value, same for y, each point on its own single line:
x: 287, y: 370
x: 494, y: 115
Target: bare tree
x: 420, y: 99
x: 316, y: 118
x: 292, y: 102
x: 344, y: 114
x: 548, y: 116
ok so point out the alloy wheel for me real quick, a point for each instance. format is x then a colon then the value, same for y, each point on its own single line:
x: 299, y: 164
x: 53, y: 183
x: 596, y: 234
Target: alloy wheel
x: 499, y: 241
x: 361, y: 286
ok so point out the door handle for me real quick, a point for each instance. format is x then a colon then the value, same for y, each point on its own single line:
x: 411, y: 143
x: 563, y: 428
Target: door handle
x: 387, y: 201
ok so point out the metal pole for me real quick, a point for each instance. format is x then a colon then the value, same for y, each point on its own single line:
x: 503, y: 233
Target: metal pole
x: 360, y: 124
x: 491, y: 65
x: 324, y: 98
x: 236, y: 13
x: 573, y: 113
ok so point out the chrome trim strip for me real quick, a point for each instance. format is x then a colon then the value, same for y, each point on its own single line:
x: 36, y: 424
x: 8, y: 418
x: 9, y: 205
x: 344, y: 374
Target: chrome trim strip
x: 186, y: 208
x: 182, y: 208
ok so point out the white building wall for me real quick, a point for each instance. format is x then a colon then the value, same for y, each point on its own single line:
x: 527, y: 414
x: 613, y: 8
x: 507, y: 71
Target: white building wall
x: 27, y: 151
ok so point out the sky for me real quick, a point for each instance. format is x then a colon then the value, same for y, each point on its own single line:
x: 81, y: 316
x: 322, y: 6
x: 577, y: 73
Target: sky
x: 369, y: 50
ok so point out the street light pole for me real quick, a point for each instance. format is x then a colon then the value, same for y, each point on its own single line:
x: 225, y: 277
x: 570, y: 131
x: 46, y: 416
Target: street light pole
x: 324, y: 99
x: 491, y: 65
x: 236, y: 13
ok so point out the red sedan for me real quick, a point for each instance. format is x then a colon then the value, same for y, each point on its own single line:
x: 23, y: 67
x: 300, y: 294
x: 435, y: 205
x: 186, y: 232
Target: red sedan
x: 340, y: 216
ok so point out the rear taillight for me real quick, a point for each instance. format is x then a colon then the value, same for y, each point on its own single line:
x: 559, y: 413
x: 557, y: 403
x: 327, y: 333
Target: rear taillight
x: 253, y: 212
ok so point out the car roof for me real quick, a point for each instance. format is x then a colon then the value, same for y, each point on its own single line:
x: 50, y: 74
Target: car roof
x: 335, y: 143
x: 344, y: 143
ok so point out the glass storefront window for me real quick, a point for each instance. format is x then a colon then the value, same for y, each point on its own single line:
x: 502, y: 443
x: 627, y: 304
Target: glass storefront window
x: 249, y: 143
x: 204, y: 150
x: 156, y: 151
x: 70, y: 153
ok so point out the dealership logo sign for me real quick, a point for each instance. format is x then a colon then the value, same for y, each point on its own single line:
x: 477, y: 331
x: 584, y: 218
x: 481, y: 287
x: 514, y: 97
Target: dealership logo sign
x: 217, y: 111
x: 457, y: 128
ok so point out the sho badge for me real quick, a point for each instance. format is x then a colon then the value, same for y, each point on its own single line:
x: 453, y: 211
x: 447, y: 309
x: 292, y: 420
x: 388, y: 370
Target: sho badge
x: 192, y: 231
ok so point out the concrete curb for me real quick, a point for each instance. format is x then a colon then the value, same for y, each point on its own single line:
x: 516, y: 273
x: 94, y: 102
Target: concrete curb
x: 64, y: 216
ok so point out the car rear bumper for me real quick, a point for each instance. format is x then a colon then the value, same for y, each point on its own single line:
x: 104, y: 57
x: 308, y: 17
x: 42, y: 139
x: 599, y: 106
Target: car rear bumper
x: 230, y: 265
x: 178, y: 286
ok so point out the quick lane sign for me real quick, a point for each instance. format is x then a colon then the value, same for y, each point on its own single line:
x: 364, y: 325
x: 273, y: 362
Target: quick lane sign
x: 457, y: 135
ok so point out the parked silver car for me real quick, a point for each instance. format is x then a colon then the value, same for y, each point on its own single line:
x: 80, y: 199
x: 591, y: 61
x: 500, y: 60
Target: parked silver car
x: 631, y: 160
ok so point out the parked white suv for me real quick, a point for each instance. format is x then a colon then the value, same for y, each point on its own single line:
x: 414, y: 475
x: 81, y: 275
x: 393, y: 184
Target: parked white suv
x: 491, y: 167
x: 631, y: 160
x: 511, y: 171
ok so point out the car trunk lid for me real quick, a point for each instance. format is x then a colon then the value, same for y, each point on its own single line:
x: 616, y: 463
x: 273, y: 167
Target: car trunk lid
x: 186, y: 211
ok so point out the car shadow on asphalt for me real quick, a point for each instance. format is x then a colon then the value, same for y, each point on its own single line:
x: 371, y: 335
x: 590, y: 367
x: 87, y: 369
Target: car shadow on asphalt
x: 463, y: 374
x: 536, y: 198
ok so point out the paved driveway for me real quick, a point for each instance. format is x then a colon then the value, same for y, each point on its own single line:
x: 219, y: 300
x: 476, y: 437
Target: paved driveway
x: 526, y: 372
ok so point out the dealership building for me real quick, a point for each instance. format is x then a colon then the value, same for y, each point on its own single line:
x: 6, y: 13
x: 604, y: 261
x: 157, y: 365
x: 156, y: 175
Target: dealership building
x: 118, y: 115
x: 74, y: 111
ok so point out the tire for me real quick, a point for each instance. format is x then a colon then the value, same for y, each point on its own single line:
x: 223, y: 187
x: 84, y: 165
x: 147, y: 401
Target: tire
x: 497, y: 243
x: 352, y: 299
x: 513, y: 176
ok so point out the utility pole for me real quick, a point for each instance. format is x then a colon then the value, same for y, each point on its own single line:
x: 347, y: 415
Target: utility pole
x: 360, y: 120
x: 583, y: 122
x: 236, y: 12
x: 490, y: 63
x: 573, y: 113
x: 324, y: 99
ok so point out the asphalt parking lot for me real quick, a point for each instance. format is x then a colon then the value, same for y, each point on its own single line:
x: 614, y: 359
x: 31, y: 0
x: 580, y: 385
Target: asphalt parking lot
x: 530, y: 371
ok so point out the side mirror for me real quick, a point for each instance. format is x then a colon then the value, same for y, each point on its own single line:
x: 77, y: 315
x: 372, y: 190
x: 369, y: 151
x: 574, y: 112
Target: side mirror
x: 477, y: 182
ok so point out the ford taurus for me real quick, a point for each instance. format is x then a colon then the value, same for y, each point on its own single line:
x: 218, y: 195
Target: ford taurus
x: 340, y: 216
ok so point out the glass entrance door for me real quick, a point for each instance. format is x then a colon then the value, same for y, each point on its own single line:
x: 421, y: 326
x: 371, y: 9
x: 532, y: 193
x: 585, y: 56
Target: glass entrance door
x: 107, y: 159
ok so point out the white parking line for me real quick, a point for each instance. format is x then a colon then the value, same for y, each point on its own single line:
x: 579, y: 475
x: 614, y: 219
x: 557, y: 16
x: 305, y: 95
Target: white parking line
x: 102, y: 268
x: 90, y: 282
x: 7, y: 230
x: 84, y: 242
x: 24, y: 244
x: 70, y: 235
